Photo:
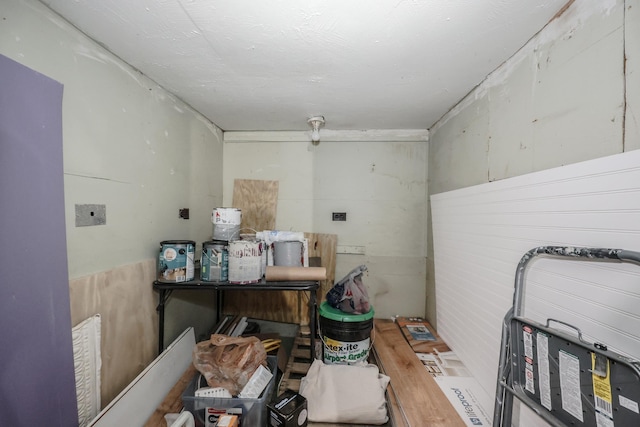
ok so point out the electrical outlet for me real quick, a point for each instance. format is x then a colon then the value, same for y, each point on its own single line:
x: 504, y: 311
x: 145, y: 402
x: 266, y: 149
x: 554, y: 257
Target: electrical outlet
x: 339, y: 216
x: 88, y: 215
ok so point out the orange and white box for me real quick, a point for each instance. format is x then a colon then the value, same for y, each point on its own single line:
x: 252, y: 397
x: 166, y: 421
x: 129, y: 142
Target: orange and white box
x: 227, y: 421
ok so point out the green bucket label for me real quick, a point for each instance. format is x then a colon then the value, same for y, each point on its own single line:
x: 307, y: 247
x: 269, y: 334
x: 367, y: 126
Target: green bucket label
x: 344, y: 352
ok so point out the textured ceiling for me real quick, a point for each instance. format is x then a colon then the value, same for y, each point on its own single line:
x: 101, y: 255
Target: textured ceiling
x: 251, y: 65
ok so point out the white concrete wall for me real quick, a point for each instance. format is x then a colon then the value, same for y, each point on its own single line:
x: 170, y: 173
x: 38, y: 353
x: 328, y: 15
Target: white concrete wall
x: 131, y: 145
x: 380, y: 185
x: 563, y: 98
x: 128, y: 144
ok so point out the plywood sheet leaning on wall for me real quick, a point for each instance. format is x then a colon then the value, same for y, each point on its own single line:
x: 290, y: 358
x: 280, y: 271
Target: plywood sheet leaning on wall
x: 323, y: 246
x: 127, y: 305
x: 258, y: 201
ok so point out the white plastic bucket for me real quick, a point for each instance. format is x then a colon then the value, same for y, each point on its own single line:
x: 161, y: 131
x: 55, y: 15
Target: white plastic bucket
x: 226, y: 223
x: 245, y: 261
x: 288, y: 254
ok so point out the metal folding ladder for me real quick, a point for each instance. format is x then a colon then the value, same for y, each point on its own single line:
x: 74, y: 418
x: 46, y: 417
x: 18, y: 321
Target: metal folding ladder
x: 564, y: 379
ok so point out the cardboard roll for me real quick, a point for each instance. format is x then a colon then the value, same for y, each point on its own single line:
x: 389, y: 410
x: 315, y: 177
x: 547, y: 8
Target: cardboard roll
x: 279, y: 273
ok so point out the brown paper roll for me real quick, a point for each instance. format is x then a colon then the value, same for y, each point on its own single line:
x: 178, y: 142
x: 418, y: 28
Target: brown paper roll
x: 278, y: 273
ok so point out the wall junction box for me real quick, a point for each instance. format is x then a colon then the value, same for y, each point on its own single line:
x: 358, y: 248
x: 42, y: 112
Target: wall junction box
x: 87, y: 215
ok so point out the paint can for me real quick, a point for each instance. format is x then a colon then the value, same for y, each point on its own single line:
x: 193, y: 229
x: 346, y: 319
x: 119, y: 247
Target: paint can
x: 226, y: 223
x: 176, y: 261
x: 288, y: 254
x: 214, y: 261
x: 245, y: 261
x: 346, y: 337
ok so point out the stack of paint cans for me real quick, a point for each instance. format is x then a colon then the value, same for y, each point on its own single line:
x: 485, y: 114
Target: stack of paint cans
x: 241, y: 259
x: 176, y: 261
x: 226, y: 257
x: 246, y: 261
x: 214, y: 261
x: 226, y: 224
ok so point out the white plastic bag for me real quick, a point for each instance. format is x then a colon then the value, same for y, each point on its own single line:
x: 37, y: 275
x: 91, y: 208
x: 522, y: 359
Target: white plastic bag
x: 349, y: 294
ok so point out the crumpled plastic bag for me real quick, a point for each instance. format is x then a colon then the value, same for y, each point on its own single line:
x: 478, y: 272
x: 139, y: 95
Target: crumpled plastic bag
x: 229, y: 362
x: 349, y: 294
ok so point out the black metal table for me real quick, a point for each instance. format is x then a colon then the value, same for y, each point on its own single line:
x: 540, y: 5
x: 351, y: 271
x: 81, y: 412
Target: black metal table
x: 165, y: 290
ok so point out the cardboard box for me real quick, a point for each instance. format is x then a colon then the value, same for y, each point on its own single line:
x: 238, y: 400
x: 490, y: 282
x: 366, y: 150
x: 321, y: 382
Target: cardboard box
x: 227, y: 421
x: 288, y: 410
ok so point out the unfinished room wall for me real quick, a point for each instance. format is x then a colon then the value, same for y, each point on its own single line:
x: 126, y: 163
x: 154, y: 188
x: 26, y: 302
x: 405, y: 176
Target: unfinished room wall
x: 381, y: 187
x: 632, y: 74
x: 564, y: 98
x: 559, y: 100
x: 132, y: 146
x: 289, y: 163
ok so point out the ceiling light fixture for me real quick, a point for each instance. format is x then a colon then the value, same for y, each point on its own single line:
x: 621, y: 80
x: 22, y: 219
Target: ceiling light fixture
x: 316, y: 122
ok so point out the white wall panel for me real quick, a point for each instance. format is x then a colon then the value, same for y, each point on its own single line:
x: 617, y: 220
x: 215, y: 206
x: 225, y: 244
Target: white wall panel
x: 481, y: 232
x: 632, y: 74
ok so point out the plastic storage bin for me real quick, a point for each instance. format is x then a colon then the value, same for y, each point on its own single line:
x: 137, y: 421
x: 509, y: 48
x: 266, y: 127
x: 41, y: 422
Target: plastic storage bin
x: 254, y: 411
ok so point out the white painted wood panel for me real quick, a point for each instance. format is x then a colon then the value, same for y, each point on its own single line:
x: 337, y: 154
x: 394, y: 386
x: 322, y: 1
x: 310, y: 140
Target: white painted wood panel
x: 481, y: 232
x: 138, y: 401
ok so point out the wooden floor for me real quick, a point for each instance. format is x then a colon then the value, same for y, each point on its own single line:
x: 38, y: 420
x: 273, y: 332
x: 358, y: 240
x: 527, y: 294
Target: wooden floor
x: 413, y: 397
x: 418, y: 397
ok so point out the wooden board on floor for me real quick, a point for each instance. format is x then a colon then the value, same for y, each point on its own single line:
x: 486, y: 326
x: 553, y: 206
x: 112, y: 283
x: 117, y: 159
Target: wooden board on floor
x: 421, y: 346
x: 297, y: 365
x: 421, y: 399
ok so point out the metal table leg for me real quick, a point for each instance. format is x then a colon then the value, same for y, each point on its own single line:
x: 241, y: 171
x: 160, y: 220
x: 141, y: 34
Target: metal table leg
x: 312, y: 322
x: 219, y: 304
x: 160, y: 310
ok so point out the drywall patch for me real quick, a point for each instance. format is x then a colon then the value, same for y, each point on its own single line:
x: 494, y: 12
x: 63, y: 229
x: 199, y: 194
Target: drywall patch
x: 88, y: 215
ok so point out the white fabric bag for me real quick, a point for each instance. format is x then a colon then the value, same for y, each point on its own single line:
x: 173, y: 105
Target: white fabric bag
x: 345, y: 393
